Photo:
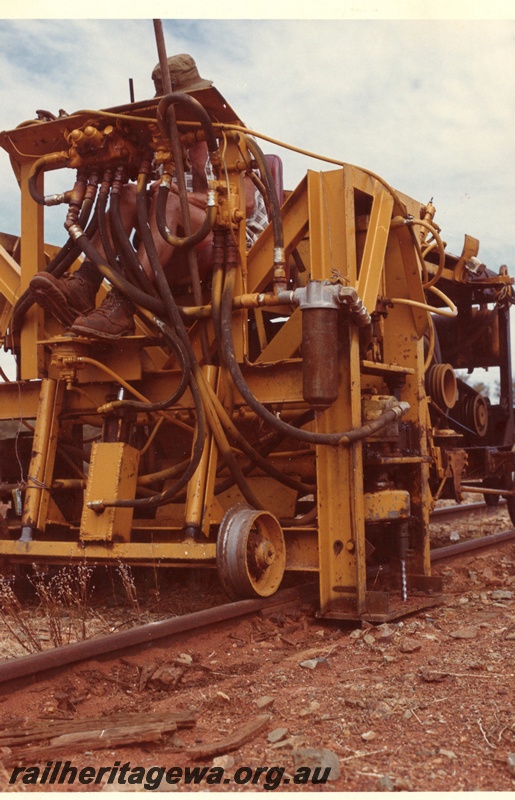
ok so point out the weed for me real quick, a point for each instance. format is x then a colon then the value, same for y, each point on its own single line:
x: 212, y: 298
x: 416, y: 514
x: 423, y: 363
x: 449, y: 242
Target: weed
x: 129, y: 586
x: 18, y: 623
x: 64, y: 598
x: 63, y: 607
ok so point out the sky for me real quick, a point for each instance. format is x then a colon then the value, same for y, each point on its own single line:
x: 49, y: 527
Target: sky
x: 425, y: 102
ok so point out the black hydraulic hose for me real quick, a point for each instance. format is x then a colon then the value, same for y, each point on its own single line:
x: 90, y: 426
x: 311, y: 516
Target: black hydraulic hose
x: 259, y: 460
x: 168, y: 236
x: 220, y: 239
x: 163, y: 288
x: 227, y: 347
x: 125, y: 247
x: 166, y: 117
x: 198, y: 448
x: 65, y: 257
x: 267, y: 178
x: 178, y: 349
x: 138, y: 296
x: 286, y: 480
x: 178, y: 98
x: 103, y: 198
x: 176, y: 319
x: 169, y: 306
x: 47, y: 162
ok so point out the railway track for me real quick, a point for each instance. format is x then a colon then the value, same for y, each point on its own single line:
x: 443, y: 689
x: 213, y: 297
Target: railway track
x: 460, y: 509
x: 41, y: 662
x: 36, y: 663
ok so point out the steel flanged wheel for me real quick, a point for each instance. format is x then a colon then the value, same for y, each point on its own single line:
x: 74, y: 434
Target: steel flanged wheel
x: 250, y: 553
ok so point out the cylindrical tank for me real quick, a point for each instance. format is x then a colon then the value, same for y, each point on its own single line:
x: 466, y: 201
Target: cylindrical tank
x: 319, y: 345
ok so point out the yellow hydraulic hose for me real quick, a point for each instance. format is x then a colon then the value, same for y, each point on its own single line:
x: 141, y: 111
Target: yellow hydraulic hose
x: 118, y: 378
x: 450, y: 311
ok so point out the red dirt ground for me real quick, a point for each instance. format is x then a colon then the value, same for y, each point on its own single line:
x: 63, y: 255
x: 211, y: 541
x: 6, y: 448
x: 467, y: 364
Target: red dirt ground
x: 426, y: 703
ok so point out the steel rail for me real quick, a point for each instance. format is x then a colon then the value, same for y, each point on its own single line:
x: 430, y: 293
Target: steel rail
x: 36, y: 663
x: 461, y: 508
x: 441, y: 553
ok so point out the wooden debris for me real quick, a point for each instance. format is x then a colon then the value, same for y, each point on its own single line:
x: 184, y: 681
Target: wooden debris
x: 146, y: 673
x: 230, y: 742
x: 100, y: 738
x: 93, y: 733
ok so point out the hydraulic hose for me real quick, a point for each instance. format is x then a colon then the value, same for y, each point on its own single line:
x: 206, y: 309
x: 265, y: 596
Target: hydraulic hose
x: 266, y: 177
x: 212, y: 417
x: 169, y: 305
x: 168, y: 236
x: 165, y: 497
x: 224, y: 446
x: 173, y: 314
x: 257, y: 458
x: 103, y: 197
x: 182, y: 357
x: 449, y: 311
x: 163, y: 474
x: 138, y: 296
x: 441, y: 250
x: 227, y: 349
x: 68, y: 253
x: 280, y: 282
x: 168, y: 126
x: 75, y: 199
x: 178, y: 98
x: 214, y: 422
x: 124, y: 245
x: 49, y: 161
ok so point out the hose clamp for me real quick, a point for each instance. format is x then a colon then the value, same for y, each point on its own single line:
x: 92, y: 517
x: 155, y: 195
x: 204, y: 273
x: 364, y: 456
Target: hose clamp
x: 75, y: 232
x: 279, y: 255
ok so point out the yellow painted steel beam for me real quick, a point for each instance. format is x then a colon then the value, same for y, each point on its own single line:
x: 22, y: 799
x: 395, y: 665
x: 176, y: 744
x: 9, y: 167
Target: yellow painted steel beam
x: 32, y: 260
x: 286, y: 342
x: 401, y: 249
x: 19, y: 399
x: 372, y: 261
x: 402, y: 345
x: 341, y: 518
x: 10, y: 281
x: 110, y: 551
x: 39, y: 478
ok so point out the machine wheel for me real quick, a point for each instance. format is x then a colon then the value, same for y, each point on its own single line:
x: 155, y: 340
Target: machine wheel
x: 250, y: 553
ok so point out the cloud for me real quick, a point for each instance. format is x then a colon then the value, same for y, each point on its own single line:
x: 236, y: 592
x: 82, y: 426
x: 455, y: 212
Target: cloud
x: 425, y: 103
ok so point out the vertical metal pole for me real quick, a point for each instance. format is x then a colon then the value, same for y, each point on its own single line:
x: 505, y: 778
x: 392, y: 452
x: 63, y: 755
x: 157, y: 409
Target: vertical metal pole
x: 181, y: 183
x: 32, y: 260
x: 161, y: 52
x: 41, y: 469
